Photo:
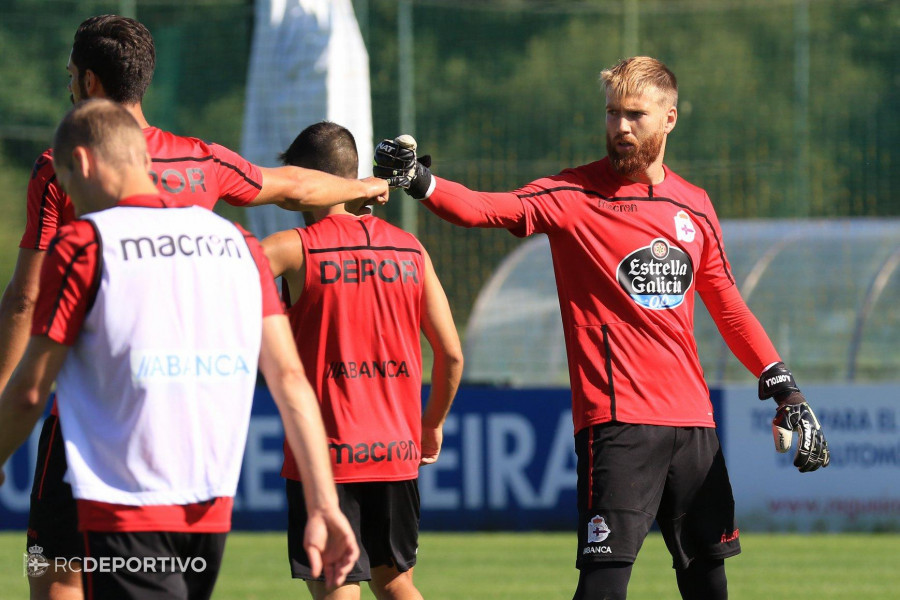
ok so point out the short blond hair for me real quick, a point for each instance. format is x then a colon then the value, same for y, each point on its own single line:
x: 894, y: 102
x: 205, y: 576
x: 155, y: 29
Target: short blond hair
x: 106, y: 128
x: 637, y: 75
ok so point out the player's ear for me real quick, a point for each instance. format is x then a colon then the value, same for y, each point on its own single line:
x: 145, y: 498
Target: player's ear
x: 92, y: 85
x: 671, y: 119
x: 82, y: 161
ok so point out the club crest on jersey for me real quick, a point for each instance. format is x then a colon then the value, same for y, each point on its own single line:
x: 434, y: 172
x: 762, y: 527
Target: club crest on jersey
x: 684, y: 228
x: 598, y: 530
x: 657, y: 276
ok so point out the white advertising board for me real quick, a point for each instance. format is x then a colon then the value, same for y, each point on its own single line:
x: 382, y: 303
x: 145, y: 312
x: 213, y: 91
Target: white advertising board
x: 860, y: 490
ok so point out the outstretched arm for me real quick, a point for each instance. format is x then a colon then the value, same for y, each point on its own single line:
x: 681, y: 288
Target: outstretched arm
x: 328, y: 540
x: 295, y: 188
x: 16, y: 309
x: 446, y: 372
x: 459, y: 205
x: 396, y: 162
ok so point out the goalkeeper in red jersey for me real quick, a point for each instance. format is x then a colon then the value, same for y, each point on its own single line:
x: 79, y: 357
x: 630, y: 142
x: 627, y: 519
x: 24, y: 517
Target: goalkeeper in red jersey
x: 632, y: 242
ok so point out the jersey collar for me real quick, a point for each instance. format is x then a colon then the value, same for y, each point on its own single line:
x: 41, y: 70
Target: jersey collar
x: 148, y: 201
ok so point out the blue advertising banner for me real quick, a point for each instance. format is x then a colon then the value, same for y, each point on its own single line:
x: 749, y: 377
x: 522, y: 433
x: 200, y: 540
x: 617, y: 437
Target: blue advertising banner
x: 507, y: 463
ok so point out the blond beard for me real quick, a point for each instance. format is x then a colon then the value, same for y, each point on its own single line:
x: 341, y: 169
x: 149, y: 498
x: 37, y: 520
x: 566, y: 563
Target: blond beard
x: 640, y: 158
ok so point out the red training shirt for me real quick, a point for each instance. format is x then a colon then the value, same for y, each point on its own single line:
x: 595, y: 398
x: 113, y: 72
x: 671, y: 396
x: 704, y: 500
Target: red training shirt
x: 627, y: 258
x: 191, y: 170
x: 356, y: 325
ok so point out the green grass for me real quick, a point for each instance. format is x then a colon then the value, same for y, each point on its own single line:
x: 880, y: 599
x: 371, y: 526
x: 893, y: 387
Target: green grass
x: 539, y: 566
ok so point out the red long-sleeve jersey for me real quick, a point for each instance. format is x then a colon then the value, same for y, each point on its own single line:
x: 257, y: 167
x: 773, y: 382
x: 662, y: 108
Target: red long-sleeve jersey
x: 628, y: 258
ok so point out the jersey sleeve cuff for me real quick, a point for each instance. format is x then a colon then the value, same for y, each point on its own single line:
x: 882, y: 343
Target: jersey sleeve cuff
x: 430, y: 190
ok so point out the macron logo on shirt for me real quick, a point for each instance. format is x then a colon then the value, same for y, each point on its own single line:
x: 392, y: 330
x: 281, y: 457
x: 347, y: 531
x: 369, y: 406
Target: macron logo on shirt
x: 201, y: 245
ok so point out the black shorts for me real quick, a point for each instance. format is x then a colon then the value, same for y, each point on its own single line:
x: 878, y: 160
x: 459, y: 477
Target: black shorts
x: 53, y: 515
x: 384, y: 516
x: 629, y: 475
x: 151, y: 565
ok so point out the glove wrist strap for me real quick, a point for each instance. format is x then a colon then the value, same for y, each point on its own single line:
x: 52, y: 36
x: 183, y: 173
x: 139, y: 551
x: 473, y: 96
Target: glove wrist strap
x: 432, y: 183
x: 422, y: 184
x: 778, y: 382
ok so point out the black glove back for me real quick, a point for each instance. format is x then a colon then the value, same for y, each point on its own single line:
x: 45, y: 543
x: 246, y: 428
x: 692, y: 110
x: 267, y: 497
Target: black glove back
x: 812, y: 449
x: 396, y: 162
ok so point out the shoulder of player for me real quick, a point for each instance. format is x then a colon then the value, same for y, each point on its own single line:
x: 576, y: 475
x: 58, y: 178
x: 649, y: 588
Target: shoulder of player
x: 167, y: 145
x: 42, y: 170
x: 585, y: 171
x: 393, y: 230
x: 73, y: 237
x: 676, y: 181
x: 574, y: 181
x: 282, y: 240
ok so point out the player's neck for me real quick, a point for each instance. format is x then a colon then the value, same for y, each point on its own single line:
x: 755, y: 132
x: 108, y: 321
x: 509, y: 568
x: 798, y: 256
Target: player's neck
x: 136, y: 184
x: 653, y: 175
x: 136, y: 111
x: 338, y: 209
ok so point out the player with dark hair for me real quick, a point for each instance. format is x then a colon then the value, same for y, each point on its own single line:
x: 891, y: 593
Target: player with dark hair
x: 114, y: 57
x: 154, y: 393
x: 631, y: 243
x: 358, y: 292
x: 119, y: 52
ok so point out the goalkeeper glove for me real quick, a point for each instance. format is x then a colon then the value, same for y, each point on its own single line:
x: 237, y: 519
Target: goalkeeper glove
x: 794, y: 414
x: 396, y: 162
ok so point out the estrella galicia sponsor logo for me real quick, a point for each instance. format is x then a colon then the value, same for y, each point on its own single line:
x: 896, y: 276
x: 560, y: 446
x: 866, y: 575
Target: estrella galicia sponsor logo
x: 165, y: 246
x: 378, y: 451
x: 657, y: 276
x: 366, y: 368
x: 173, y: 366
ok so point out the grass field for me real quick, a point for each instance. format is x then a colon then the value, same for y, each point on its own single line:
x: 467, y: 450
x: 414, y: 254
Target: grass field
x: 539, y: 566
